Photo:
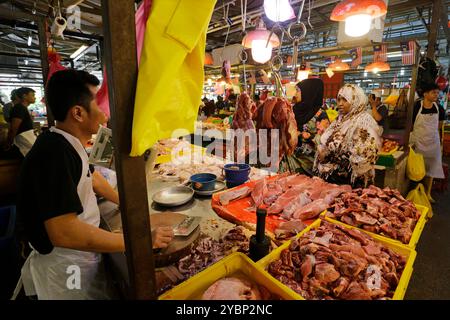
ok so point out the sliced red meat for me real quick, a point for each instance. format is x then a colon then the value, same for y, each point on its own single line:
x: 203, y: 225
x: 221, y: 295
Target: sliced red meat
x: 311, y: 210
x: 307, y: 266
x: 356, y: 291
x: 274, y: 190
x: 297, y: 203
x: 342, y: 285
x: 326, y: 273
x: 226, y: 197
x: 259, y: 192
x: 365, y: 219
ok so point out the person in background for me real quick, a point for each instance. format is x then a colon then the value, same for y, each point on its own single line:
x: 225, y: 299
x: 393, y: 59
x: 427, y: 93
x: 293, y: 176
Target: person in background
x: 349, y: 147
x: 21, y: 132
x: 309, y: 116
x: 57, y: 207
x: 7, y: 107
x: 428, y: 119
x: 379, y: 111
x: 231, y: 105
x: 210, y: 108
x: 309, y: 97
x: 220, y: 104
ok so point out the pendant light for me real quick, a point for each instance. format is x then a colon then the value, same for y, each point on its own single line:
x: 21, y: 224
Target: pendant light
x: 209, y: 61
x: 339, y: 65
x: 278, y: 10
x: 257, y: 41
x: 358, y: 15
x: 378, y: 67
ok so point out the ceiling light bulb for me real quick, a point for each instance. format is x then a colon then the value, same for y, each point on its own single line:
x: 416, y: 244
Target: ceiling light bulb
x: 358, y: 25
x: 261, y: 52
x: 278, y: 10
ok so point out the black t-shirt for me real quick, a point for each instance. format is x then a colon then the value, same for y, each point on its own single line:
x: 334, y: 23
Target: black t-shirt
x: 21, y: 112
x: 428, y: 111
x: 383, y: 111
x: 47, y: 187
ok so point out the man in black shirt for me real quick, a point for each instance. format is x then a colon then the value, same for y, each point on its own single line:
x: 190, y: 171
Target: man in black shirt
x: 21, y: 125
x: 56, y: 202
x: 379, y: 110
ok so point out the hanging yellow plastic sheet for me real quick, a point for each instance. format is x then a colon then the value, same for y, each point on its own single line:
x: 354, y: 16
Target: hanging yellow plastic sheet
x: 171, y: 75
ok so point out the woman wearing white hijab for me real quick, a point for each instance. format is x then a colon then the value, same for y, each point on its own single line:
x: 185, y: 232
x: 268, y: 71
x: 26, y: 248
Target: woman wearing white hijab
x: 349, y: 147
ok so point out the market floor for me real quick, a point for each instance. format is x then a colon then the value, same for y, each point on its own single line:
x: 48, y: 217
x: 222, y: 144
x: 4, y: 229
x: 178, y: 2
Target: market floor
x: 431, y: 275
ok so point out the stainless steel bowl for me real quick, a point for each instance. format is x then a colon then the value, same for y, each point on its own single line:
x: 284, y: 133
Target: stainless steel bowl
x: 173, y: 196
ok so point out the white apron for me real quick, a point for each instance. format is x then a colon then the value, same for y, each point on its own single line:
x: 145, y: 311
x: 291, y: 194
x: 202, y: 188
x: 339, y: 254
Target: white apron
x: 425, y: 137
x: 24, y: 141
x: 54, y: 276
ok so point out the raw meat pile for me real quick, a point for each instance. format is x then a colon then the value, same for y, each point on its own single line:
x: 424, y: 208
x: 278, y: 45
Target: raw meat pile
x: 236, y: 288
x: 333, y: 262
x: 276, y: 113
x: 379, y: 211
x: 207, y: 251
x: 293, y: 197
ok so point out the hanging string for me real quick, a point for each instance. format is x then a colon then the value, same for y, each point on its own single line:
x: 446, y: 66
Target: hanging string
x: 243, y: 54
x: 300, y: 11
x: 228, y: 31
x: 309, y: 16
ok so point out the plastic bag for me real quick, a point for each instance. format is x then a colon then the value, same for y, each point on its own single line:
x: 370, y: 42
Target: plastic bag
x: 171, y: 73
x: 141, y: 25
x: 415, y: 166
x: 419, y: 196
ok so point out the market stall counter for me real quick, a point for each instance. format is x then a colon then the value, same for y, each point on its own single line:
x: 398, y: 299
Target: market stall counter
x: 211, y: 227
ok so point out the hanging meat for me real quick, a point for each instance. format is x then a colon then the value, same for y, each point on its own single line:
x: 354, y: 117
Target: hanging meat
x: 276, y: 113
x: 226, y: 71
x: 242, y: 118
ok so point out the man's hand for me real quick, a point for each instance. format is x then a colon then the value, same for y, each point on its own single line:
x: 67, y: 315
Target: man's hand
x: 161, y: 237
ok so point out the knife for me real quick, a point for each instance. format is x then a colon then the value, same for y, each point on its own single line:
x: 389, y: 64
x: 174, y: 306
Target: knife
x: 185, y: 227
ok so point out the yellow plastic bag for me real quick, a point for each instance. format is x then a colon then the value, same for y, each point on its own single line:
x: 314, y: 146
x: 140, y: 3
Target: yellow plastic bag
x: 415, y: 166
x: 332, y: 114
x: 171, y: 75
x: 419, y: 196
x: 392, y: 100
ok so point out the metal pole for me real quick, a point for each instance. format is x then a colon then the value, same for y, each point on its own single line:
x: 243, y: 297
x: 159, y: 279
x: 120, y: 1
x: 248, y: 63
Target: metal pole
x: 121, y: 65
x: 412, y: 95
x: 434, y: 29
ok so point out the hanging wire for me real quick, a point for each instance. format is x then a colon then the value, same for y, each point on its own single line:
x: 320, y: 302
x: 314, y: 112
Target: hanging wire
x: 243, y: 54
x: 309, y: 15
x: 226, y: 13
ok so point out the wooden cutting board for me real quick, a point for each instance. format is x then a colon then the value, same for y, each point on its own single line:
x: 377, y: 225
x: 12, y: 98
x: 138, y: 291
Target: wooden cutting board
x: 180, y: 246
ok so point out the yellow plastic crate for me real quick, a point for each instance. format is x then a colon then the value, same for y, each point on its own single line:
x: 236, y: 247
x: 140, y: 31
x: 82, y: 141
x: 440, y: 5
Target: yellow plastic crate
x: 235, y: 264
x: 409, y: 253
x: 414, y: 237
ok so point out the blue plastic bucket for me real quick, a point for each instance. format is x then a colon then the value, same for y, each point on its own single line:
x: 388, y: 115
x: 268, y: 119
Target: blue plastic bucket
x: 236, y: 174
x: 204, y: 181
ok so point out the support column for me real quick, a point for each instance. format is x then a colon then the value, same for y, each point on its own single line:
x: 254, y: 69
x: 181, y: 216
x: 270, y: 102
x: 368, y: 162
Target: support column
x: 121, y: 66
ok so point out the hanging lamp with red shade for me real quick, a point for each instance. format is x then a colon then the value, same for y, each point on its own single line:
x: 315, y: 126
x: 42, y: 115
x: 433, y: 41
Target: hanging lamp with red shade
x: 358, y: 15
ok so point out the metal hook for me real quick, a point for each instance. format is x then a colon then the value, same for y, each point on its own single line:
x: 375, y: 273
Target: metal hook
x: 302, y: 35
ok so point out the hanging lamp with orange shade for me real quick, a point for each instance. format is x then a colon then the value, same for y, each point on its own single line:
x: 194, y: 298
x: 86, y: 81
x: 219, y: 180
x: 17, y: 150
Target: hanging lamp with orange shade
x: 358, y: 15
